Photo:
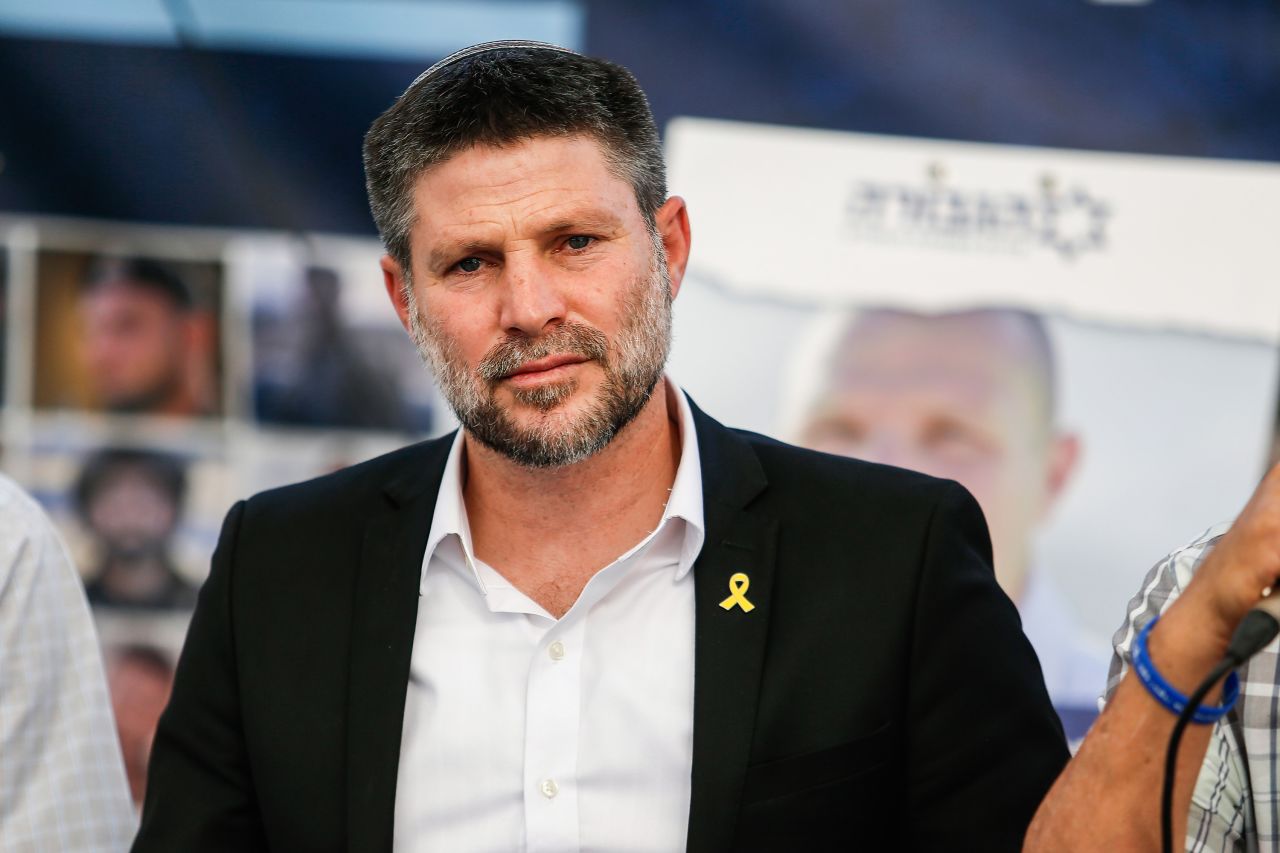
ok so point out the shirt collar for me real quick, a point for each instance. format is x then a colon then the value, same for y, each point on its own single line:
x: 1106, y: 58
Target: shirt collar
x: 450, y: 517
x: 684, y: 502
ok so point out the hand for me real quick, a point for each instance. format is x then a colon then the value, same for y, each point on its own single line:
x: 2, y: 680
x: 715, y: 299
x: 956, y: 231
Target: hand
x: 1244, y: 563
x: 1105, y: 799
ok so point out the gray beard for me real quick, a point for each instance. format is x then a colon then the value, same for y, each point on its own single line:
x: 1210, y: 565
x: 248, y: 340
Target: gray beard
x: 632, y: 367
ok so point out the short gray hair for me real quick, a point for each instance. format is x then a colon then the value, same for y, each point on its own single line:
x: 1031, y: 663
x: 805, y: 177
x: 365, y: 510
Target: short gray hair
x: 497, y: 95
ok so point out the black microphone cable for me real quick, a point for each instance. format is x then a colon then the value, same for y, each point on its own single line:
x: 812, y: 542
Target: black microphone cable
x: 1256, y: 630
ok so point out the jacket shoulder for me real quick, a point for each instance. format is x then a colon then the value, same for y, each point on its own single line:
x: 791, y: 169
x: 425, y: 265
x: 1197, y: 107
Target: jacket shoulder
x: 825, y: 476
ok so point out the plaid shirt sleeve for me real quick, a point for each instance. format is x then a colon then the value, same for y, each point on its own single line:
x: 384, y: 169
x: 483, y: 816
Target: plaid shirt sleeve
x: 1221, y: 815
x: 62, y: 782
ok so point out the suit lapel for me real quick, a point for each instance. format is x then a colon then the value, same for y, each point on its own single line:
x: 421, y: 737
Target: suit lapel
x: 729, y: 643
x: 384, y: 615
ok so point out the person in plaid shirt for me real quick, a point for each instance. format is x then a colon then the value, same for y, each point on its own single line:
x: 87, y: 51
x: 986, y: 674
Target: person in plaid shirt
x: 62, y: 782
x: 1225, y: 796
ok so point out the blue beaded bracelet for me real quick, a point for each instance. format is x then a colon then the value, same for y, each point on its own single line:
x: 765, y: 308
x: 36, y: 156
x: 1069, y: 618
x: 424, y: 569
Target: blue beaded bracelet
x: 1167, y: 695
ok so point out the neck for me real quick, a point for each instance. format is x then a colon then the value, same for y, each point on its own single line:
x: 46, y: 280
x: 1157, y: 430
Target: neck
x: 561, y: 525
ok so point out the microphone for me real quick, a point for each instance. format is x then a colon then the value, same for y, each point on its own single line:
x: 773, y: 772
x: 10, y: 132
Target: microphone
x: 1258, y: 628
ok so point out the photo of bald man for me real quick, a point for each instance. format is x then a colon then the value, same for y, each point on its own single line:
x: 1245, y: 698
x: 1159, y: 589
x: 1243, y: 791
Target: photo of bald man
x: 969, y: 396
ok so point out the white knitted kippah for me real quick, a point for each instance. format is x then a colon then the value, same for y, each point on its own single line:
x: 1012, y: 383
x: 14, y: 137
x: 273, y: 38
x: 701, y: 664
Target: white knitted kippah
x: 485, y: 47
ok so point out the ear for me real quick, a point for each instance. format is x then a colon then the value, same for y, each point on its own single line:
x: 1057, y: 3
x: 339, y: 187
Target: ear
x: 672, y: 221
x: 1064, y: 457
x: 393, y: 279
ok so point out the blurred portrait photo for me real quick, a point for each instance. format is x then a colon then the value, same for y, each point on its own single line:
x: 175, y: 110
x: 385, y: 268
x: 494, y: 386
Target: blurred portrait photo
x: 130, y: 502
x: 127, y: 335
x: 968, y: 396
x: 327, y: 353
x: 139, y: 678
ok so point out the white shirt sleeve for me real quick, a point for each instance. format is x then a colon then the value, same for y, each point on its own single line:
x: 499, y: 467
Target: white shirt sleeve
x: 62, y: 780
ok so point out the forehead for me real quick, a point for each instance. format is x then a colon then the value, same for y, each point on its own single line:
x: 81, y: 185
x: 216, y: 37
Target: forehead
x: 513, y: 184
x: 125, y: 293
x: 965, y: 361
x: 128, y: 477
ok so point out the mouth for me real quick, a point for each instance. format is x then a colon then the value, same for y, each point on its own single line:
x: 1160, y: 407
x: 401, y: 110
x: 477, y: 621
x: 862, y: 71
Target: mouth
x: 549, y: 369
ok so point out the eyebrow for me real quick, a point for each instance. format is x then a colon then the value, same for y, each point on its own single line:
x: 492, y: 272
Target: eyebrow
x: 447, y: 255
x: 574, y: 222
x: 586, y: 221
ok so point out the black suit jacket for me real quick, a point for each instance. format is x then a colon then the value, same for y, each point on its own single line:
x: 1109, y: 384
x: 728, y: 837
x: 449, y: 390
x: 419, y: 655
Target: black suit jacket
x: 880, y: 696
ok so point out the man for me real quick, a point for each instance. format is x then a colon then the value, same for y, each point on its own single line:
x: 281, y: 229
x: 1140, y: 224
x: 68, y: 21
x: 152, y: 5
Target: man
x: 62, y: 784
x: 593, y: 618
x: 145, y: 349
x: 969, y: 396
x: 1225, y: 796
x: 130, y: 500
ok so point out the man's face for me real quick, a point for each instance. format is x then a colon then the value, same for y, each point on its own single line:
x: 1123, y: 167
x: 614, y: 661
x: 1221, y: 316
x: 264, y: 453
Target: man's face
x: 133, y: 345
x: 952, y: 397
x: 132, y: 514
x: 540, y: 298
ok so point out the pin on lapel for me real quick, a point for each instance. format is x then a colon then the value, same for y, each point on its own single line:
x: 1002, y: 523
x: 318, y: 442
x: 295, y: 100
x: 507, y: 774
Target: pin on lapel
x: 738, y: 593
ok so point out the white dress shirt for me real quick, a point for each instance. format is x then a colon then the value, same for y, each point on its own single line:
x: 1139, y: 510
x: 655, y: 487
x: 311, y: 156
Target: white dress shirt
x: 62, y: 782
x: 524, y: 732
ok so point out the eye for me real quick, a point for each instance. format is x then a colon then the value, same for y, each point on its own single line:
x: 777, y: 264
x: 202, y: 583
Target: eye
x: 953, y: 439
x: 469, y: 264
x: 835, y: 434
x: 578, y: 242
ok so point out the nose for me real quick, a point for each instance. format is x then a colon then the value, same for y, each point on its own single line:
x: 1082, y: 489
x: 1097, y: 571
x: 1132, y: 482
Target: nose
x: 532, y: 300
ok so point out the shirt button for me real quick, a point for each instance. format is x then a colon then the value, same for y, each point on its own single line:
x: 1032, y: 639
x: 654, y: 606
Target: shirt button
x: 556, y: 650
x: 549, y: 788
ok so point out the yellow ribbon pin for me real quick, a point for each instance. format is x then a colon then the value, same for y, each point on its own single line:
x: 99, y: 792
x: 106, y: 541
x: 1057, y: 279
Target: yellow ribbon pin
x: 738, y: 593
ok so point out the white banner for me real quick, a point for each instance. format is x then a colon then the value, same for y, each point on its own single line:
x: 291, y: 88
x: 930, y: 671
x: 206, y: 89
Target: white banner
x: 813, y: 215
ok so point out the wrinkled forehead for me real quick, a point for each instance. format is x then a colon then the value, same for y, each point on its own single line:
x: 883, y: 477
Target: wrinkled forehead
x: 589, y: 145
x: 520, y: 179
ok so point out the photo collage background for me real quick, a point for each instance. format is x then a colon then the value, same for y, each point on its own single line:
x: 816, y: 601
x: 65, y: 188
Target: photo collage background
x: 150, y: 377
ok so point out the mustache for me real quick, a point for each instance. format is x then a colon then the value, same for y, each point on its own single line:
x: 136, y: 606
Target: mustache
x: 506, y: 357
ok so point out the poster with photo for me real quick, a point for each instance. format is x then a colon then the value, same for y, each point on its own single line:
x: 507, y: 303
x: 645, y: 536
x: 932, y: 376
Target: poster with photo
x: 139, y: 501
x: 327, y: 350
x: 1102, y: 404
x: 127, y: 333
x: 140, y: 517
x: 1093, y: 449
